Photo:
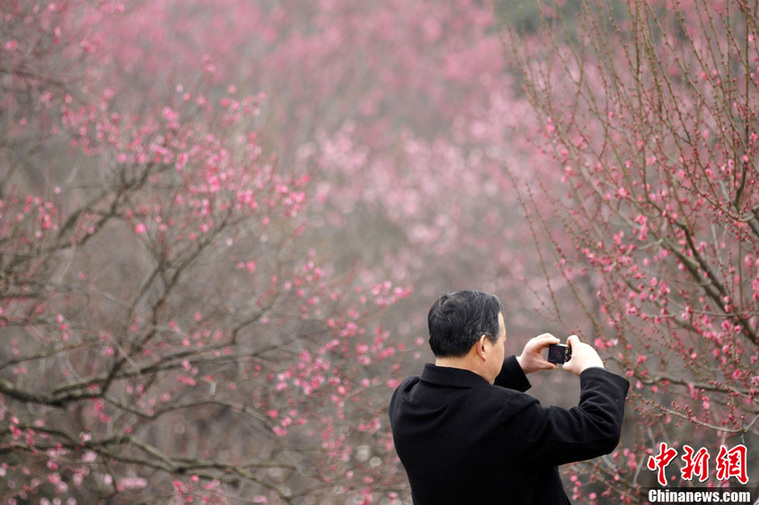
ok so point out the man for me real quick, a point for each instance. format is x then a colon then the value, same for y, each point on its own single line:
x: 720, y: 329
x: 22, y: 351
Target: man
x: 466, y: 432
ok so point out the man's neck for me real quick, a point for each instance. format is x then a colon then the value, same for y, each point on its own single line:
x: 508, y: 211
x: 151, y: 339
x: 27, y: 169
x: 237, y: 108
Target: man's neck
x: 458, y: 362
x: 469, y: 362
x: 461, y: 362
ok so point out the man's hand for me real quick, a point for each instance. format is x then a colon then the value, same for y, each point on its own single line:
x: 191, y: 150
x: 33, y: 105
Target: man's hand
x: 583, y: 356
x: 532, y: 360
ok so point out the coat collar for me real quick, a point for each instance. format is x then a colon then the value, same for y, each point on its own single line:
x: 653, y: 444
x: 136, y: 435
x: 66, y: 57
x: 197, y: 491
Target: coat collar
x: 452, y: 377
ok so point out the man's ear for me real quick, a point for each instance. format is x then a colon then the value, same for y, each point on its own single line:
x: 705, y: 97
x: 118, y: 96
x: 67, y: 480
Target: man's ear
x: 482, y: 347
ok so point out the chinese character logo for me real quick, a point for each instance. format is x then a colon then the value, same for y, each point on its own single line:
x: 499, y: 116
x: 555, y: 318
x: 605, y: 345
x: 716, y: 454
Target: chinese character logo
x: 729, y: 463
x: 696, y: 464
x: 661, y: 460
x: 732, y: 463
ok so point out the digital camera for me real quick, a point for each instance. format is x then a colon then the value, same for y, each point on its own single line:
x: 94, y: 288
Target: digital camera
x: 559, y: 353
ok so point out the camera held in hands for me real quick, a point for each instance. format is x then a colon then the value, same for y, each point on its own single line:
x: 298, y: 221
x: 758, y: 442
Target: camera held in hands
x: 559, y: 353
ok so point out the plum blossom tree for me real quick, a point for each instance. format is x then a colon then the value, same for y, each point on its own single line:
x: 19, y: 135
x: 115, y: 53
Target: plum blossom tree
x: 211, y: 208
x: 168, y: 335
x: 645, y: 212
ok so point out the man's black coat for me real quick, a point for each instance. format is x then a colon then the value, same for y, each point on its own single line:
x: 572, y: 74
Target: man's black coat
x: 464, y: 441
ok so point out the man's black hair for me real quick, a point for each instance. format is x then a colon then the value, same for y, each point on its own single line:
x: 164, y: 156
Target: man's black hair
x: 457, y: 320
